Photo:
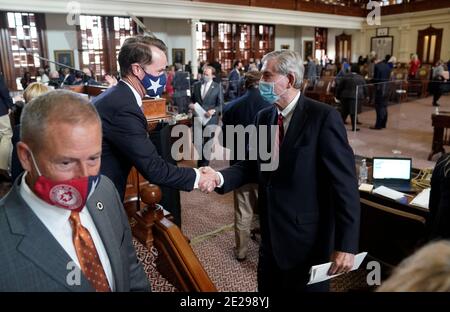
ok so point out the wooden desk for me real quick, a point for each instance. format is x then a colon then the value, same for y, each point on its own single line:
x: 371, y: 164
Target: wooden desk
x: 441, y: 133
x: 390, y: 231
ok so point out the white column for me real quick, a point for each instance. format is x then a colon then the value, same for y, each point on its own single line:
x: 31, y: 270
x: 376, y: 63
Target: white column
x: 405, y: 47
x: 194, y: 56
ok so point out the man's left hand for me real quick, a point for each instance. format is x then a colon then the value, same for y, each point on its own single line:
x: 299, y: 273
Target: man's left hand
x: 210, y: 113
x: 342, y: 262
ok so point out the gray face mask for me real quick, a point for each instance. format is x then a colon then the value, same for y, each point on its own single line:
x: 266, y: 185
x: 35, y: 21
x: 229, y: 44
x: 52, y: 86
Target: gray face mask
x: 207, y: 79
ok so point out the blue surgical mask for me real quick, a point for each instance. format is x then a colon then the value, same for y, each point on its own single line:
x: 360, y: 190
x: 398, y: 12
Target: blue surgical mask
x: 154, y: 84
x: 267, y: 91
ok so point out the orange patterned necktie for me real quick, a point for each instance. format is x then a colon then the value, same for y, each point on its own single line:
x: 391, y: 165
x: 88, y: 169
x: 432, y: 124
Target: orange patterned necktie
x: 87, y: 255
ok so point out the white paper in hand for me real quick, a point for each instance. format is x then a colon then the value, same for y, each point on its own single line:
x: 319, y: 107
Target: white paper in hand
x: 200, y: 113
x: 319, y: 273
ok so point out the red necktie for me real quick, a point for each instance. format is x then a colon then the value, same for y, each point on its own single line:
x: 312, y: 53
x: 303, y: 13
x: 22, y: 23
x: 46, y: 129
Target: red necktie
x: 280, y: 128
x: 87, y: 255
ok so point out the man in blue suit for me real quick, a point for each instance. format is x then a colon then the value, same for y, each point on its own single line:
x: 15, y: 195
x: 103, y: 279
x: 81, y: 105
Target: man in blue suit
x: 381, y: 76
x: 234, y: 81
x: 126, y: 142
x: 242, y: 111
x: 308, y: 204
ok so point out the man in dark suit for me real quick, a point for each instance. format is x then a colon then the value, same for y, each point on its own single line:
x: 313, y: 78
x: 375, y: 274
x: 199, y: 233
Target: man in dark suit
x: 381, y: 76
x: 209, y: 95
x: 63, y: 226
x: 438, y: 221
x: 242, y: 112
x: 346, y: 93
x: 309, y: 203
x: 182, y: 88
x: 126, y: 142
x: 6, y: 104
x: 234, y: 81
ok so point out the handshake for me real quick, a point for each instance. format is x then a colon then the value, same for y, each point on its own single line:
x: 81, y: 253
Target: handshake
x: 209, y: 179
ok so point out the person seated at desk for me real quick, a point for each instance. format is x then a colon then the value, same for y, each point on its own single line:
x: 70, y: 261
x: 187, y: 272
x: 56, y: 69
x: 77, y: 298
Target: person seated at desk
x: 438, y: 222
x: 62, y: 225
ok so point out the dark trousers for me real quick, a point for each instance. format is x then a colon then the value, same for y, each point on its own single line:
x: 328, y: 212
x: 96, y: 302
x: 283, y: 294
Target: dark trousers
x: 273, y: 279
x: 382, y: 114
x: 346, y: 110
x: 437, y: 94
x: 182, y: 103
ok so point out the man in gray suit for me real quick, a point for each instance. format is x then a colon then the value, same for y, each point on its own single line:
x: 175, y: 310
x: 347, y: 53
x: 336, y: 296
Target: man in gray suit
x: 62, y: 225
x: 209, y: 95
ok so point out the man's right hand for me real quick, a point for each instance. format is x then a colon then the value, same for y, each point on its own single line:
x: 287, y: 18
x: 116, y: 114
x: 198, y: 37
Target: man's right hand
x: 209, y: 179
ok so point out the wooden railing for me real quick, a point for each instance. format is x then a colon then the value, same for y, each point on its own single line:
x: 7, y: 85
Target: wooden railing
x: 345, y: 8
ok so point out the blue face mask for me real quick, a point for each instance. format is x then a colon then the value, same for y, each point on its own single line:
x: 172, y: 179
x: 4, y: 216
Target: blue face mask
x: 154, y: 84
x: 267, y: 91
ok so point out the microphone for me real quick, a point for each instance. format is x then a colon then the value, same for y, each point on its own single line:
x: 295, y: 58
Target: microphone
x: 59, y: 64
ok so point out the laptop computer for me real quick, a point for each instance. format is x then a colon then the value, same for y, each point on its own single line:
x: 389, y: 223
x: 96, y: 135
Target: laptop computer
x: 394, y: 173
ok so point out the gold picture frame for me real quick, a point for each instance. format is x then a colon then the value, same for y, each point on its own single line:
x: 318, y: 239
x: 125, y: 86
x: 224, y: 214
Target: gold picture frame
x: 64, y: 57
x: 178, y: 56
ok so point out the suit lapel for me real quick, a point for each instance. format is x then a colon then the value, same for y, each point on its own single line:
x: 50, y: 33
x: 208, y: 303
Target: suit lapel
x: 199, y: 92
x: 208, y: 92
x: 38, y: 244
x: 269, y: 122
x: 297, y: 123
x: 105, y: 230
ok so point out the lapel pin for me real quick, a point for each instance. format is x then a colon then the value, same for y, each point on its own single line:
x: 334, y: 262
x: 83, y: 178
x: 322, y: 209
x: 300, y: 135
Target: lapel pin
x: 100, y: 206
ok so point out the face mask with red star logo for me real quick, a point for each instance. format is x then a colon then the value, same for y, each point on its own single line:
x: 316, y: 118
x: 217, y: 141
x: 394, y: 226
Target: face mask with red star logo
x: 69, y: 194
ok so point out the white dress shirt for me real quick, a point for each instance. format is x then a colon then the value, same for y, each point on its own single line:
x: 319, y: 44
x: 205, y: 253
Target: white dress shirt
x: 56, y: 220
x: 204, y: 89
x: 287, y: 113
x: 136, y: 94
x: 139, y: 102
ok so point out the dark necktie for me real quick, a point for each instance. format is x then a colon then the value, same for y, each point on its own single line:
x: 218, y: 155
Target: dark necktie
x: 280, y: 128
x: 87, y: 255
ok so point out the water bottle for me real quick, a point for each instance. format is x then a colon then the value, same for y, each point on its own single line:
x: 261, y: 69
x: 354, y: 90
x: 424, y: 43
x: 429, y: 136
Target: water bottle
x: 362, y: 172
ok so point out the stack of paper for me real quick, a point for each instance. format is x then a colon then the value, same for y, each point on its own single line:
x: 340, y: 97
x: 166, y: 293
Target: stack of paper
x: 389, y: 193
x: 319, y: 273
x: 422, y: 199
x: 200, y: 113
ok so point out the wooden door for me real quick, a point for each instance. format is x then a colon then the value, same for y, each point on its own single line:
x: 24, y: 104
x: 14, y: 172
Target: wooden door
x: 343, y: 47
x: 429, y: 45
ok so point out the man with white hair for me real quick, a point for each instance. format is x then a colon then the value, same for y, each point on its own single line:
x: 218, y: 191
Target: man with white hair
x: 309, y: 203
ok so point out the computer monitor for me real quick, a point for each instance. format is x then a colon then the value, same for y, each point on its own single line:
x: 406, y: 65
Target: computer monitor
x: 392, y: 168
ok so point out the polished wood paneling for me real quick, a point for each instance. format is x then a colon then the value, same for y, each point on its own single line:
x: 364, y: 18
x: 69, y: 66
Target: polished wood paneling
x: 312, y: 6
x: 414, y: 7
